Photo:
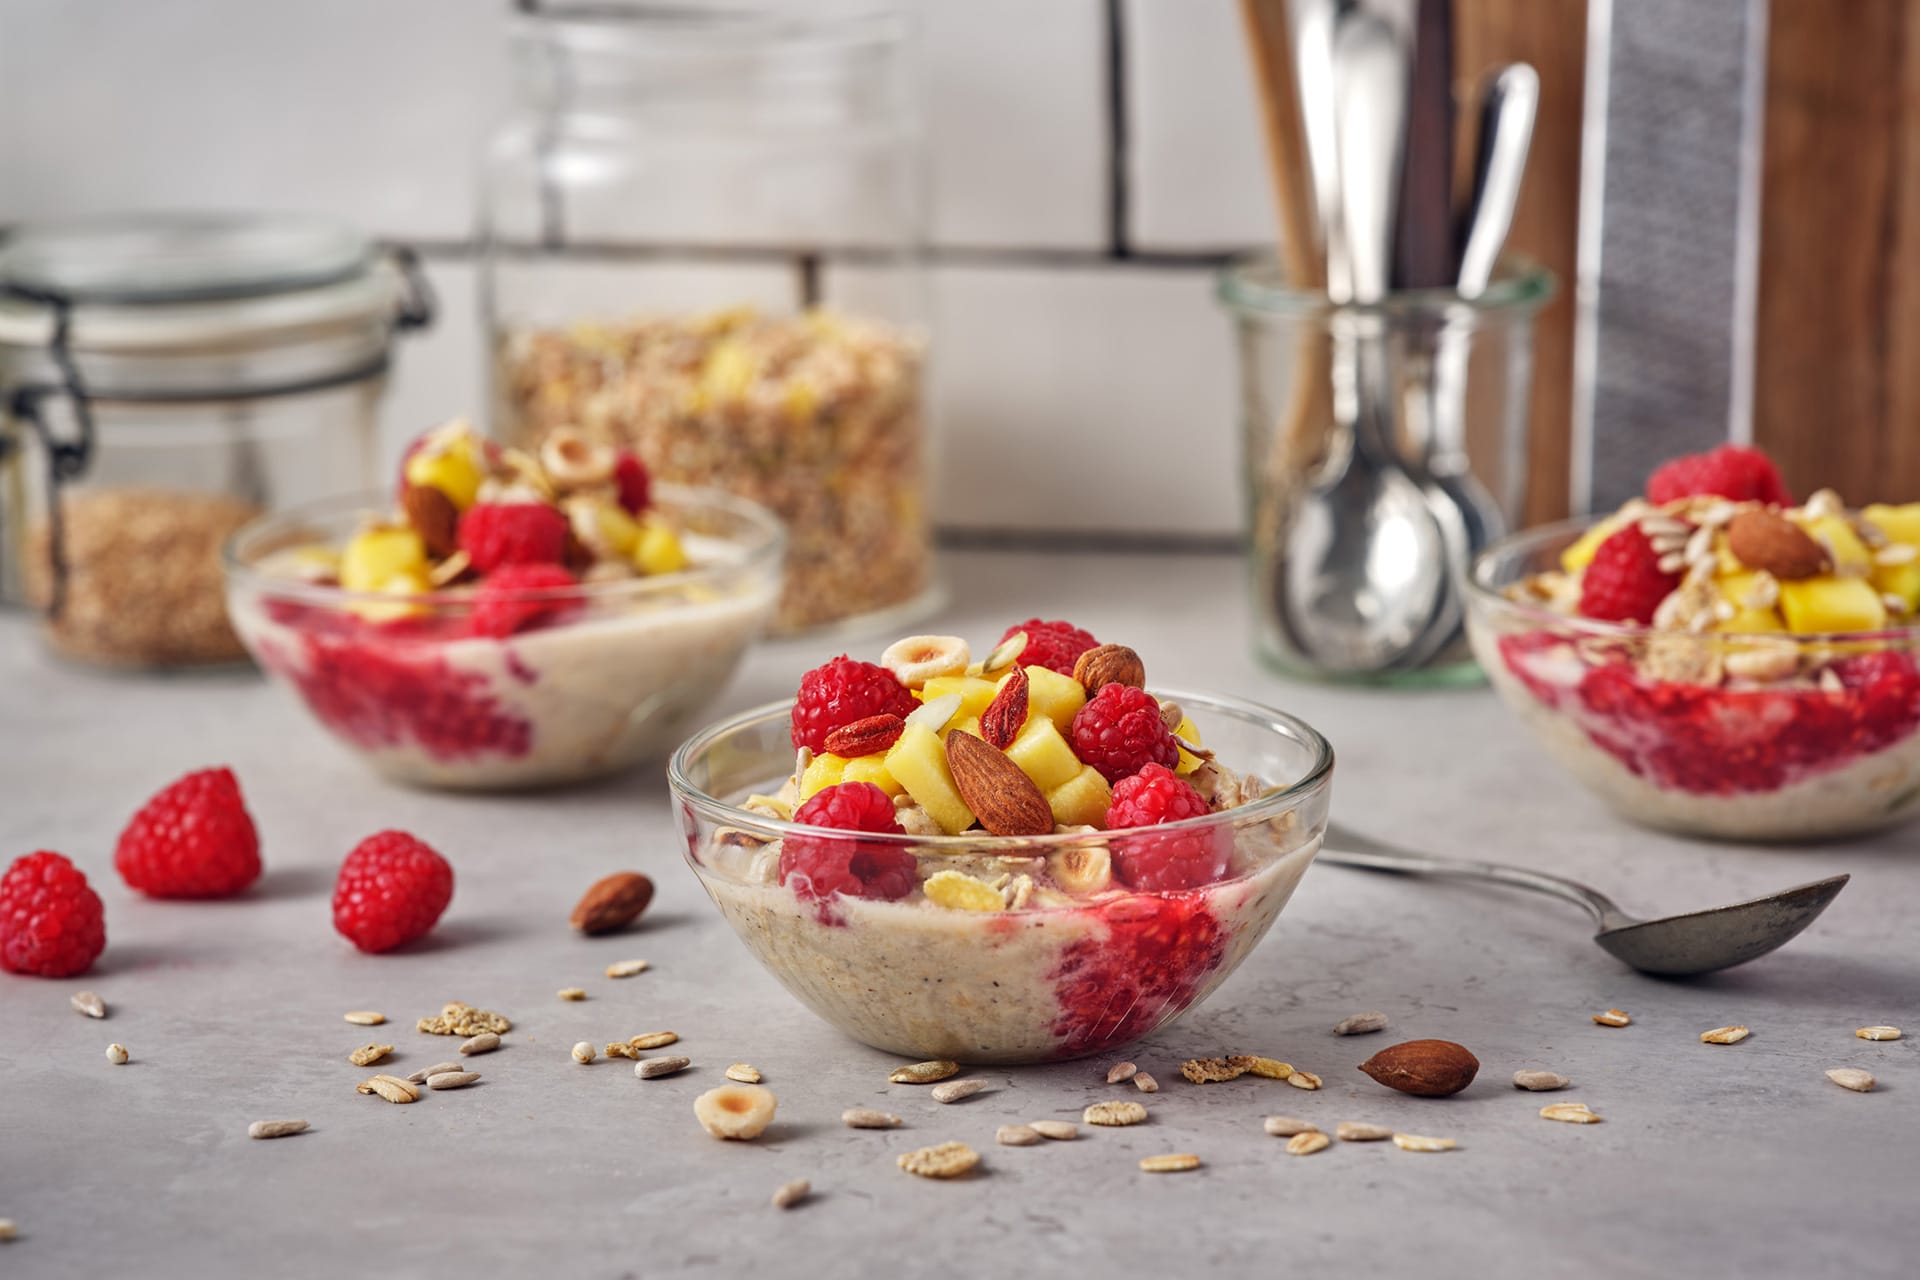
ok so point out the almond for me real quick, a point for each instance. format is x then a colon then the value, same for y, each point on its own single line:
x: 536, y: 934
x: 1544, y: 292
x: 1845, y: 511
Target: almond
x: 1108, y: 664
x: 1001, y: 796
x: 613, y: 902
x: 1425, y: 1068
x: 434, y: 517
x: 1769, y: 541
x: 865, y: 737
x: 1008, y: 710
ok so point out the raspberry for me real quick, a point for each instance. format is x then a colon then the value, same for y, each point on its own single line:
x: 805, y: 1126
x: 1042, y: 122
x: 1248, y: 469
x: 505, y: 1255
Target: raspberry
x: 1730, y: 471
x: 1053, y: 645
x: 1119, y: 730
x: 392, y: 888
x: 193, y: 840
x: 1155, y: 957
x: 841, y: 692
x: 1625, y: 583
x: 497, y: 533
x: 503, y: 604
x: 819, y: 867
x: 631, y: 478
x: 51, y: 923
x: 1175, y: 860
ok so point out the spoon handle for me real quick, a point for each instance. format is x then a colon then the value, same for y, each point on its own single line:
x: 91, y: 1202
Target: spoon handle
x: 1351, y: 849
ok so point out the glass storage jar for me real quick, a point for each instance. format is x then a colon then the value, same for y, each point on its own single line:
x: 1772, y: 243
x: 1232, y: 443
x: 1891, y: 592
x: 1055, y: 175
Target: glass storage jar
x: 165, y: 378
x: 702, y: 232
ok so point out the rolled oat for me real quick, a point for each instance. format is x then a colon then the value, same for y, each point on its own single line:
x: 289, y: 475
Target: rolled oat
x: 1415, y: 1142
x: 1288, y: 1126
x: 1360, y: 1024
x: 1169, y: 1164
x: 789, y: 1194
x: 1878, y: 1033
x: 948, y: 1160
x: 741, y: 1073
x: 1121, y: 1072
x: 864, y: 1118
x: 276, y: 1128
x: 365, y: 1018
x: 1357, y: 1131
x: 956, y: 1090
x: 1055, y: 1130
x: 1017, y: 1135
x: 1305, y: 1144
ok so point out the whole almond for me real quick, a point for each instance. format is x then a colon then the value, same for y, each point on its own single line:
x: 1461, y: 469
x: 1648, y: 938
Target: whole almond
x: 1108, y: 664
x: 1000, y: 794
x: 434, y: 517
x: 613, y: 902
x: 1002, y: 719
x: 865, y: 737
x: 1424, y: 1068
x: 1767, y: 540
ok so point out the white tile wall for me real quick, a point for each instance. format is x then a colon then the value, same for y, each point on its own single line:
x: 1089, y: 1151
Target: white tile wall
x: 1198, y: 171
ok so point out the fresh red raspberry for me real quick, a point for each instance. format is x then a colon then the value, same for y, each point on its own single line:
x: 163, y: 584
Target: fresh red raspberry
x: 51, y: 923
x: 503, y: 604
x: 1119, y: 729
x: 819, y: 867
x: 841, y: 692
x: 392, y: 888
x: 635, y: 484
x: 1053, y: 645
x: 1730, y: 471
x: 193, y: 840
x: 1176, y: 860
x: 497, y: 533
x: 1624, y: 582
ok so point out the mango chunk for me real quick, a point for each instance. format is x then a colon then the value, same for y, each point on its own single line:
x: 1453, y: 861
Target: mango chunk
x: 375, y: 557
x: 872, y: 769
x: 958, y: 891
x: 1900, y: 524
x: 827, y: 770
x: 1054, y: 696
x: 1838, y: 536
x: 1043, y: 754
x: 1188, y: 761
x: 658, y: 550
x: 451, y: 465
x: 1901, y: 580
x: 1082, y: 800
x: 1814, y: 605
x: 974, y: 692
x: 919, y: 762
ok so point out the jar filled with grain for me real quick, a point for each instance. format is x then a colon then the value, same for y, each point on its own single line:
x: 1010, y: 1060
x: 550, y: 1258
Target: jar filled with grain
x: 163, y: 380
x: 701, y: 240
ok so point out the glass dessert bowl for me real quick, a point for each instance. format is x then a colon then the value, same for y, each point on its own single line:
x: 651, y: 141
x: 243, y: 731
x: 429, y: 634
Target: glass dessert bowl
x: 1765, y: 688
x: 1064, y: 941
x: 531, y: 673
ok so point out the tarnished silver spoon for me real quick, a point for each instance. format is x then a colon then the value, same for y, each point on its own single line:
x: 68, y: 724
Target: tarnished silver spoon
x: 1671, y: 946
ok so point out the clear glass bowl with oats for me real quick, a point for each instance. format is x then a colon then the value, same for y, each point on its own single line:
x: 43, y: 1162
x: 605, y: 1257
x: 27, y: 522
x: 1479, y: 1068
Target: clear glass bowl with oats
x: 702, y: 243
x: 923, y: 932
x: 1771, y: 692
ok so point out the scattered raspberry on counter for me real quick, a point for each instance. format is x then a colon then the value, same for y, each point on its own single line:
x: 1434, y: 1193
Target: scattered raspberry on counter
x: 1175, y: 860
x: 1730, y: 471
x: 1624, y: 581
x: 392, y: 889
x: 841, y: 692
x: 1054, y: 645
x: 51, y: 921
x: 819, y: 868
x: 1119, y: 731
x: 194, y: 839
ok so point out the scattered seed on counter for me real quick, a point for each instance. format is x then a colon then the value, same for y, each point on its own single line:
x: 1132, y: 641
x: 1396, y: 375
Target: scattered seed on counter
x: 583, y: 1052
x: 1305, y: 1144
x: 572, y: 993
x: 1146, y: 1083
x: 1169, y: 1164
x: 742, y: 1073
x: 1569, y: 1113
x: 86, y: 1002
x: 627, y: 968
x: 116, y: 1054
x: 1114, y: 1114
x: 923, y: 1073
x: 1304, y: 1080
x: 1415, y: 1142
x: 1612, y: 1018
x: 1120, y: 1072
x: 485, y: 1042
x: 452, y: 1079
x: 276, y: 1128
x: 1360, y: 1024
x: 1055, y: 1130
x: 956, y: 1090
x: 392, y: 1088
x: 427, y: 1073
x: 365, y: 1018
x: 458, y: 1019
x: 1852, y: 1078
x: 368, y: 1054
x: 1270, y: 1069
x: 1539, y: 1081
x: 1358, y: 1131
x: 654, y: 1068
x: 1878, y: 1033
x: 1288, y: 1126
x: 789, y: 1194
x: 1724, y: 1035
x: 948, y: 1160
x: 653, y: 1040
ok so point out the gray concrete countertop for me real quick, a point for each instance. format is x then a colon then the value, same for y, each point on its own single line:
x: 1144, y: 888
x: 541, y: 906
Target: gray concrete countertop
x: 1712, y: 1160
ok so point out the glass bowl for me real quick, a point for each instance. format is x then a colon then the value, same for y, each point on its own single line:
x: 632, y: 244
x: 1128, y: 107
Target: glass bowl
x: 1075, y: 964
x: 1738, y: 736
x: 598, y: 677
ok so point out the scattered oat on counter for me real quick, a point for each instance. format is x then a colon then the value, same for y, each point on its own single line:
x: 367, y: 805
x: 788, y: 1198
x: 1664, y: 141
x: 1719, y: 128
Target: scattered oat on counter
x: 1288, y: 1126
x: 1055, y: 1130
x: 365, y: 1018
x: 1878, y: 1033
x: 866, y: 1118
x: 1017, y: 1135
x: 1303, y: 1080
x: 653, y: 1040
x: 1169, y: 1164
x: 1361, y: 1024
x: 1146, y: 1083
x: 789, y: 1194
x: 425, y: 1074
x: 948, y: 1160
x: 1724, y: 1035
x: 1612, y: 1018
x: 1852, y: 1078
x: 1569, y: 1113
x: 743, y: 1073
x: 627, y: 968
x: 1114, y: 1114
x: 1305, y: 1144
x: 1415, y: 1142
x: 1120, y: 1072
x: 1540, y: 1081
x: 956, y: 1090
x: 276, y: 1128
x: 572, y: 993
x: 1357, y: 1131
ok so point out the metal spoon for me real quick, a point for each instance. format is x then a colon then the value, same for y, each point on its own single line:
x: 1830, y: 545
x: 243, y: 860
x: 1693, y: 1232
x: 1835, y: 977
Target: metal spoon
x: 1671, y: 946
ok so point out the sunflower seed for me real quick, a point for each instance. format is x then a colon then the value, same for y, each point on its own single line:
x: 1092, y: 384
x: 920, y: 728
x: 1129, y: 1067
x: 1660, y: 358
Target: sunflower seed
x: 427, y: 1073
x: 276, y: 1128
x: 654, y: 1068
x: 572, y: 993
x: 583, y: 1053
x: 654, y: 1040
x: 1540, y: 1081
x: 88, y: 1003
x: 116, y: 1054
x: 627, y: 968
x: 1569, y: 1113
x: 1724, y: 1035
x: 1305, y: 1144
x: 366, y: 1018
x: 1017, y: 1135
x: 1852, y: 1078
x: 368, y: 1054
x: 1360, y: 1024
x: 1288, y: 1126
x: 1355, y: 1131
x: 452, y: 1079
x: 923, y: 1073
x: 1121, y: 1072
x: 741, y: 1073
x: 1114, y: 1114
x: 1303, y: 1080
x: 864, y: 1118
x: 1878, y: 1033
x: 1612, y: 1018
x: 1414, y: 1142
x: 948, y: 1160
x: 789, y: 1194
x: 1169, y: 1164
x: 485, y: 1042
x: 1056, y: 1130
x: 1146, y: 1083
x: 955, y: 1090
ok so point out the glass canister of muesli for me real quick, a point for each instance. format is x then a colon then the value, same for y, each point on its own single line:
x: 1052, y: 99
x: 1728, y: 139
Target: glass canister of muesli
x: 701, y: 232
x: 163, y: 380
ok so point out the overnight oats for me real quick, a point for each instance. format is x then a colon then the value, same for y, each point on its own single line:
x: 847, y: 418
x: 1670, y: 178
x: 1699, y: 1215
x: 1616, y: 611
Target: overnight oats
x: 517, y: 620
x: 1714, y: 659
x: 1018, y: 859
x: 815, y: 416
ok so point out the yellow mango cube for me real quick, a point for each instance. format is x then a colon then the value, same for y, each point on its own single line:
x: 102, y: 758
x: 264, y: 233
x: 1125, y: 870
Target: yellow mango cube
x: 1054, y: 696
x: 959, y: 891
x: 827, y: 770
x: 1745, y: 621
x: 872, y: 769
x: 375, y: 557
x: 1191, y: 732
x: 658, y: 550
x: 962, y: 724
x: 411, y: 582
x: 451, y: 465
x: 1814, y: 605
x: 603, y: 526
x: 1579, y: 555
x: 1838, y: 536
x: 1901, y: 580
x: 974, y: 692
x: 1043, y: 754
x: 1082, y: 800
x: 919, y: 762
x: 1900, y: 524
